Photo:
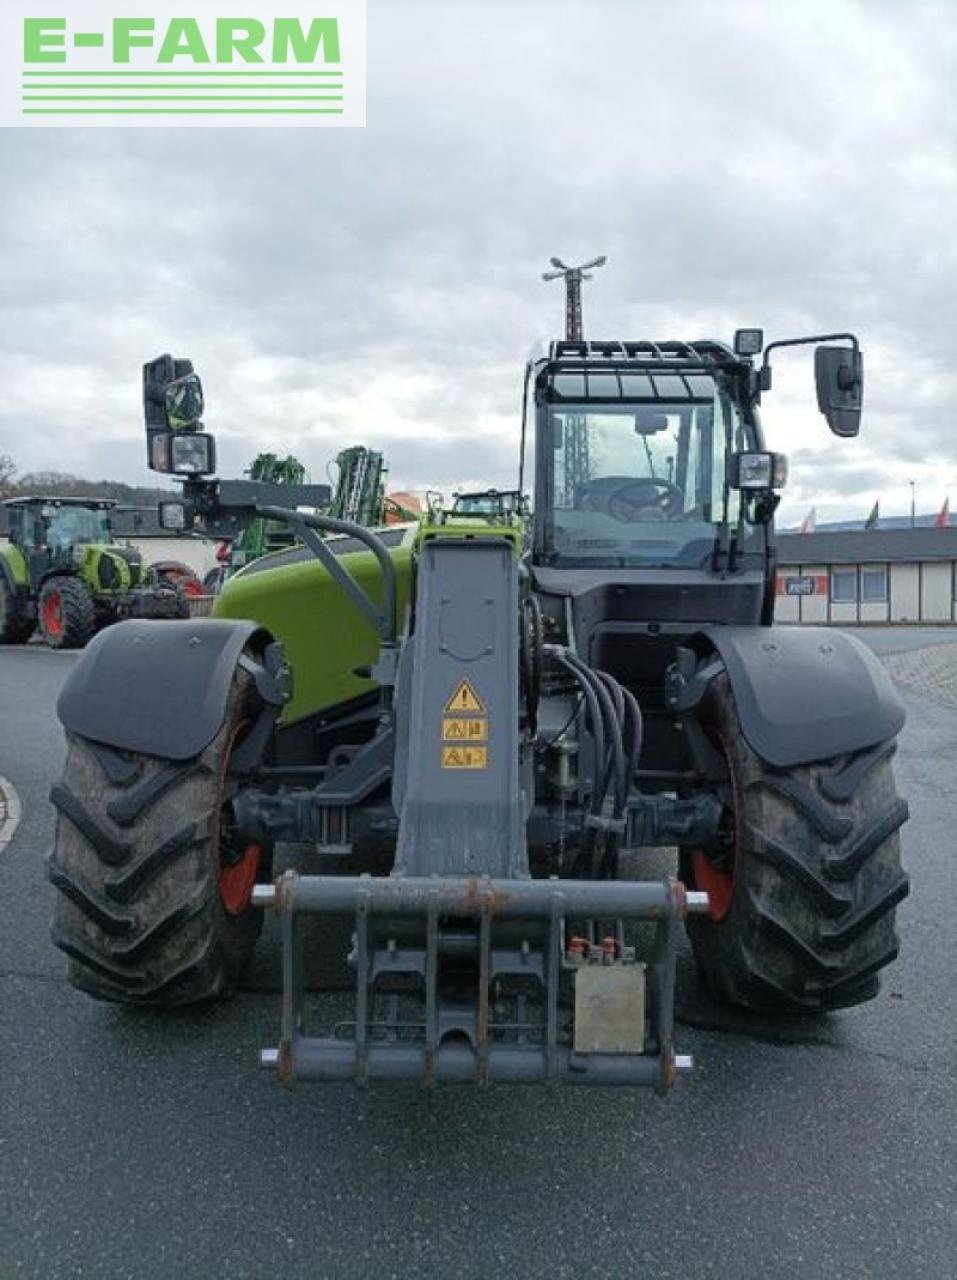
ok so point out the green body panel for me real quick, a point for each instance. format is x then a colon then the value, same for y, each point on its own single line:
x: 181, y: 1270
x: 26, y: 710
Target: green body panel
x: 452, y: 525
x: 17, y: 565
x: 324, y: 634
x: 89, y: 570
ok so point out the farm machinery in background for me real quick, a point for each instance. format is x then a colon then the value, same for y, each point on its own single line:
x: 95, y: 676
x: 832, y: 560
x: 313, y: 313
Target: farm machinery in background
x: 358, y: 495
x: 65, y: 575
x: 519, y: 720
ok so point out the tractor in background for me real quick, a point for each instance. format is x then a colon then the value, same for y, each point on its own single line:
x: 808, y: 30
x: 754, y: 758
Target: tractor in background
x: 501, y: 503
x: 65, y: 575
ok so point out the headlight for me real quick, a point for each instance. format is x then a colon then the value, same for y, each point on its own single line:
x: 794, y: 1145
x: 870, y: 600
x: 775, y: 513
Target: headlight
x: 759, y: 470
x: 192, y: 454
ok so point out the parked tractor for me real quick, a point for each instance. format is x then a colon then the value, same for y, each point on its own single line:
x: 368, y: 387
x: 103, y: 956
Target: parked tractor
x: 65, y: 575
x: 490, y: 502
x: 520, y: 728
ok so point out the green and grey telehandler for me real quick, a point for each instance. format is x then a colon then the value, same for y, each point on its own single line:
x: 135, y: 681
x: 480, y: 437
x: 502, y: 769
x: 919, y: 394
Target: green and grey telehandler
x: 520, y: 727
x: 65, y: 575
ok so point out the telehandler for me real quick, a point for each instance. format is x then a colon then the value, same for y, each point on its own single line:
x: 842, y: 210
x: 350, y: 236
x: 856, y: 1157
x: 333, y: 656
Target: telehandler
x: 513, y: 723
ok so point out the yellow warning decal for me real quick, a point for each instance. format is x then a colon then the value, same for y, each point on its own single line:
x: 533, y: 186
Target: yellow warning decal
x: 464, y: 729
x: 465, y: 699
x: 464, y: 757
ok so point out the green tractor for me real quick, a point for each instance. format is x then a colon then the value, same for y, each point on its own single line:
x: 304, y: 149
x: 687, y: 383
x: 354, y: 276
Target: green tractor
x: 65, y: 575
x: 516, y: 722
x: 490, y: 502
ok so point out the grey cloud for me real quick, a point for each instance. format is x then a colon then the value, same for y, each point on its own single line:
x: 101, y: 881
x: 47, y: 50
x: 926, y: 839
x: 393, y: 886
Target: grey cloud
x: 789, y: 165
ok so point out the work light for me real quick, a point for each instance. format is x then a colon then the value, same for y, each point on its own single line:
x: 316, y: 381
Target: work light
x: 758, y: 470
x: 192, y: 454
x: 748, y: 342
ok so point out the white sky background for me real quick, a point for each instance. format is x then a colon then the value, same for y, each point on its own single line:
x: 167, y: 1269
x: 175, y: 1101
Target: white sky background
x: 786, y: 165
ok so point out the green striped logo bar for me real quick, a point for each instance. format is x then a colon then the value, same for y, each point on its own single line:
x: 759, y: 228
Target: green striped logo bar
x: 94, y: 63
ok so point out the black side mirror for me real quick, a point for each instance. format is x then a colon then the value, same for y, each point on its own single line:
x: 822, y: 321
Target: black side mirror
x: 183, y: 402
x: 839, y: 376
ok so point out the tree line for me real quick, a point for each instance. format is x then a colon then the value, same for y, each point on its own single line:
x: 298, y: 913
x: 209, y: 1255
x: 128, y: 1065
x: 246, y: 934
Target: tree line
x: 61, y: 484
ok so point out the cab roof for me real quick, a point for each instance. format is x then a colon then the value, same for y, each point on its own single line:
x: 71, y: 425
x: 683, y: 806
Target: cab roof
x: 100, y: 504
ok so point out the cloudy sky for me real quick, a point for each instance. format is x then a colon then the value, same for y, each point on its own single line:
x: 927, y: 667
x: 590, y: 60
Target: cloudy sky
x: 786, y: 165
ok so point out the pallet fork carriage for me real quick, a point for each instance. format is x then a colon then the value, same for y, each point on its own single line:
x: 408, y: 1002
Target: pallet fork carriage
x: 473, y: 1042
x: 515, y: 708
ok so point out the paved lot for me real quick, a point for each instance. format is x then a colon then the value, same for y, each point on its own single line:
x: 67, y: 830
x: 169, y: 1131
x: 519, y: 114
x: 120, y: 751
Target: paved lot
x: 134, y: 1145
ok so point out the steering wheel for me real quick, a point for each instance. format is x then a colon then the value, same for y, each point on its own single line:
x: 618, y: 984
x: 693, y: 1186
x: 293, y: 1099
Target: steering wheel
x: 632, y: 498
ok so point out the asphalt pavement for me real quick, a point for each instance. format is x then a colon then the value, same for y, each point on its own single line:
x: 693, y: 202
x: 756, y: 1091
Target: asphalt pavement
x: 141, y: 1145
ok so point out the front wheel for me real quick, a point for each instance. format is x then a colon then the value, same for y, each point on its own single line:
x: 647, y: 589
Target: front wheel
x: 16, y: 626
x: 805, y: 883
x: 66, y: 613
x: 155, y: 892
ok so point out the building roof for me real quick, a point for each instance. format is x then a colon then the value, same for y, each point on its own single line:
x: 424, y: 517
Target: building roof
x: 56, y: 499
x: 863, y: 546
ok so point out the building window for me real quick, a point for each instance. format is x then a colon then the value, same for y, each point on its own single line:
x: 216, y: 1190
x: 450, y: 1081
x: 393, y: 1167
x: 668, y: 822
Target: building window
x: 874, y: 585
x: 843, y: 586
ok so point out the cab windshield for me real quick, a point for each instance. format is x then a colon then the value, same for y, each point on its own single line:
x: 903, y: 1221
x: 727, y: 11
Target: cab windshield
x: 641, y: 484
x: 66, y: 526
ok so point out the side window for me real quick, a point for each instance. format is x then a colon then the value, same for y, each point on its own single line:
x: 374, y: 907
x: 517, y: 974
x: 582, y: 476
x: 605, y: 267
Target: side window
x: 874, y: 585
x: 843, y: 586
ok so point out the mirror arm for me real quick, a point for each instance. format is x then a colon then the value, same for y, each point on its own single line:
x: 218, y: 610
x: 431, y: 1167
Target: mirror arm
x: 764, y: 373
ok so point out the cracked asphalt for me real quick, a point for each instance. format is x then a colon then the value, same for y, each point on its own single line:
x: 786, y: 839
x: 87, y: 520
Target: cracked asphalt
x: 135, y: 1145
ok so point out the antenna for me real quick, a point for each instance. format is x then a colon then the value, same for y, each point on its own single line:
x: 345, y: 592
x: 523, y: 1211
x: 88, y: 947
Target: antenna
x: 573, y: 277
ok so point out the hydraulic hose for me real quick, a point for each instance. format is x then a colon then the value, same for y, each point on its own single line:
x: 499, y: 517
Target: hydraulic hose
x: 615, y: 764
x: 532, y: 646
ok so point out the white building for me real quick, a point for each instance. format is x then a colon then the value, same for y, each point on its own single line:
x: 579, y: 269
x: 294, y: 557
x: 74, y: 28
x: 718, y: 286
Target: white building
x: 867, y: 575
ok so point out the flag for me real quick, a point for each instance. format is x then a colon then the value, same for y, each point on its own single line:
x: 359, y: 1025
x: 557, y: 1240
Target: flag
x: 943, y: 516
x: 871, y: 521
x: 807, y: 524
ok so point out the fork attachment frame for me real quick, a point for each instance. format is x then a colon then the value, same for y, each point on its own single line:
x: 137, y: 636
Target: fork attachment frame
x: 488, y: 933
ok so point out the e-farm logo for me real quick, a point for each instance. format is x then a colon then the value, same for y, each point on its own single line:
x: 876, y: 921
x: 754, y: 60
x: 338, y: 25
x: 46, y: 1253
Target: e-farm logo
x: 202, y: 62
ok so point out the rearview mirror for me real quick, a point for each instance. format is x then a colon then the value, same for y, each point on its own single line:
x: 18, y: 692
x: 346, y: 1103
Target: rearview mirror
x: 839, y: 376
x: 648, y: 422
x: 183, y: 401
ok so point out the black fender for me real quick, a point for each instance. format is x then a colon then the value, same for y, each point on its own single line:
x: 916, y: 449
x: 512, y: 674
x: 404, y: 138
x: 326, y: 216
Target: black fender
x: 806, y: 694
x: 156, y: 687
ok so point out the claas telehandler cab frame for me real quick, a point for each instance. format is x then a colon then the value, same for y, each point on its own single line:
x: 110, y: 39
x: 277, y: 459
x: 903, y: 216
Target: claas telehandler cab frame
x: 519, y: 727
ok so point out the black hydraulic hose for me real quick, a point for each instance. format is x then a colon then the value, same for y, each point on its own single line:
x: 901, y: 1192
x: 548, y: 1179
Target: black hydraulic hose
x: 638, y: 734
x: 618, y: 699
x: 532, y: 638
x: 635, y: 736
x: 330, y: 524
x: 597, y: 723
x: 601, y: 840
x: 616, y: 762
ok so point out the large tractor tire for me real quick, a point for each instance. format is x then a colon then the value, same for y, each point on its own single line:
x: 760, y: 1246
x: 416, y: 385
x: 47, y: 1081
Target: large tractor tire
x: 16, y: 627
x: 805, y: 884
x: 173, y: 573
x: 154, y: 902
x: 66, y: 613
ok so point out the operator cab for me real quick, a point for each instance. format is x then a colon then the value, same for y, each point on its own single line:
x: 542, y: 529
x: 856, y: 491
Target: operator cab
x: 635, y: 450
x: 57, y: 524
x: 493, y: 503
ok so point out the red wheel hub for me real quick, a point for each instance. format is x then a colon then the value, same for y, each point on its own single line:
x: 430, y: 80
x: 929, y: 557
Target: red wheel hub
x: 236, y: 868
x: 718, y: 881
x: 51, y: 614
x: 236, y: 880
